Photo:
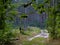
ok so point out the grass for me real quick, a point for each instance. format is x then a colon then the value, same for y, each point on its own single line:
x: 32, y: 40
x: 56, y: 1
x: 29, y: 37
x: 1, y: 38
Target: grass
x: 41, y: 41
x: 36, y: 41
x: 31, y: 31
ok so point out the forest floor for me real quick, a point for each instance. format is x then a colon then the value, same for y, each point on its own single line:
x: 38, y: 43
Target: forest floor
x: 36, y: 39
x: 43, y: 33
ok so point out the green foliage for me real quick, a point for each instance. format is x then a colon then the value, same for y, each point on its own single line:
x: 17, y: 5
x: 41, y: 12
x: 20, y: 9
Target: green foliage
x: 51, y: 7
x: 23, y: 15
x: 6, y: 37
x: 53, y: 19
x: 33, y: 0
x: 6, y: 14
x: 36, y: 41
x: 31, y: 31
x: 13, y: 12
x: 47, y: 1
x: 34, y: 6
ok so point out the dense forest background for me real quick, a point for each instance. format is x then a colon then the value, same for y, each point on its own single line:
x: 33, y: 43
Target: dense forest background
x: 18, y: 16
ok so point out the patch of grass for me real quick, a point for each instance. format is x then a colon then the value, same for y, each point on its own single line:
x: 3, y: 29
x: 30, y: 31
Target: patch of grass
x: 36, y: 41
x: 31, y: 31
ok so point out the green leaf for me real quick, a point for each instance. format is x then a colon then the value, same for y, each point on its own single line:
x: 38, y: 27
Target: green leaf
x: 35, y: 6
x: 23, y: 16
x: 13, y: 12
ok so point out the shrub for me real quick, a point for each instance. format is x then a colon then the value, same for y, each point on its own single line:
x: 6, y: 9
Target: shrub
x: 6, y: 37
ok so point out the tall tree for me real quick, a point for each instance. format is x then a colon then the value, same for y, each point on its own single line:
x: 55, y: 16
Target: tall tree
x: 4, y: 4
x: 52, y: 16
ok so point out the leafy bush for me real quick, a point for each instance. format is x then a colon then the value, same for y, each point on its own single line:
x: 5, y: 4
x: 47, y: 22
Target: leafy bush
x: 6, y: 37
